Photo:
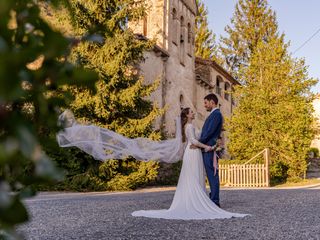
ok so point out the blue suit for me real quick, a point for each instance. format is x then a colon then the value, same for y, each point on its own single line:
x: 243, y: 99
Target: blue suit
x: 210, y: 133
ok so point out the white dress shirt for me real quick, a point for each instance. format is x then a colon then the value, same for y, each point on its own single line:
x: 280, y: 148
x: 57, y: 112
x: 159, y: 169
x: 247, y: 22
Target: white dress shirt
x: 214, y: 109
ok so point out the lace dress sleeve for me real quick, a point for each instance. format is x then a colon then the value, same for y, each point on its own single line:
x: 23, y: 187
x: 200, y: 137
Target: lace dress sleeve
x: 197, y: 133
x: 190, y: 134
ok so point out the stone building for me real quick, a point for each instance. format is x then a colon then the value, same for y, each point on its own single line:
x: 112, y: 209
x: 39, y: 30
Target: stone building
x: 316, y: 105
x: 184, y: 79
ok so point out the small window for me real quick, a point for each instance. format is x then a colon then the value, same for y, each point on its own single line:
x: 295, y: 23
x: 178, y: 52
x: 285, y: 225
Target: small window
x: 182, y: 30
x: 189, y: 33
x: 181, y: 100
x: 190, y: 45
x: 219, y: 82
x: 181, y: 21
x: 227, y: 91
x: 174, y: 13
x: 175, y: 26
x: 182, y: 41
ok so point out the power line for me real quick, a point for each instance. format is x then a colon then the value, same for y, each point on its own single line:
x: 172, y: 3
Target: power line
x: 302, y: 45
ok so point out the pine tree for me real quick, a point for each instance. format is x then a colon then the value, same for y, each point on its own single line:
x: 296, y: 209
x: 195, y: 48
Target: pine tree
x: 120, y: 102
x: 276, y: 88
x: 205, y: 39
x: 274, y: 111
x: 252, y: 22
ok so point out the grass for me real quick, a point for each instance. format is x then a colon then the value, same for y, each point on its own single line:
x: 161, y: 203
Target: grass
x: 303, y: 182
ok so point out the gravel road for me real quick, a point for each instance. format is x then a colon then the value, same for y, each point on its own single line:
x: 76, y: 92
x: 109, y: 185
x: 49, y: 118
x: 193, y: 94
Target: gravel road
x: 275, y: 214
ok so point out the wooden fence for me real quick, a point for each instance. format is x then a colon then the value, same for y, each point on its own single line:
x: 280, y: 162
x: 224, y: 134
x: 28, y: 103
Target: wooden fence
x: 246, y: 175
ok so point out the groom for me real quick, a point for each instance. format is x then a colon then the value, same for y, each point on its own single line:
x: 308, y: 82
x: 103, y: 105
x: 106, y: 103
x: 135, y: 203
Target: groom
x: 211, y: 131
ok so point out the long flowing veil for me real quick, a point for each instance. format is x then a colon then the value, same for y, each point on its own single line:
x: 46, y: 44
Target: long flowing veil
x: 104, y: 144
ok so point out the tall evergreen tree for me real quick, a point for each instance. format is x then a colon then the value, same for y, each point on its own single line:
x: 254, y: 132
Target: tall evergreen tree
x: 120, y: 102
x: 252, y: 22
x: 276, y: 88
x: 274, y: 110
x: 205, y: 39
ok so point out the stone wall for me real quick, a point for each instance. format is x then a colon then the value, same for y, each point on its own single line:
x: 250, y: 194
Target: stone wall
x: 316, y: 105
x: 152, y: 69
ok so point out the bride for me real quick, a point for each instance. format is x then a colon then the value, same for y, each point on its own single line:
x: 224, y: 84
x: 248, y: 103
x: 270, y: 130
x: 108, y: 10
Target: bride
x: 190, y: 199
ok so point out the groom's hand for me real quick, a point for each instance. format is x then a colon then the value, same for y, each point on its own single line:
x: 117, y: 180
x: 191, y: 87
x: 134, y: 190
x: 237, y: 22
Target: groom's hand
x: 208, y: 149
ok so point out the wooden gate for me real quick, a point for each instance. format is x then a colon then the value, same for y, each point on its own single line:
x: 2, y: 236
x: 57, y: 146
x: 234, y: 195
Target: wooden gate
x: 246, y: 175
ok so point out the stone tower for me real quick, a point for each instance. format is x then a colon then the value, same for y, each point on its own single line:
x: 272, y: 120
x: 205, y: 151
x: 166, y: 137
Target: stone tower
x: 172, y: 61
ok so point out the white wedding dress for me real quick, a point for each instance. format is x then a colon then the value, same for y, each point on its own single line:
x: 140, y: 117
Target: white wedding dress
x: 190, y: 199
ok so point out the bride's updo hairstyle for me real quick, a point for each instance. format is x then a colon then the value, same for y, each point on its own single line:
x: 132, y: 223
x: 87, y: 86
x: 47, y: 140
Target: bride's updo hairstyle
x: 184, y: 120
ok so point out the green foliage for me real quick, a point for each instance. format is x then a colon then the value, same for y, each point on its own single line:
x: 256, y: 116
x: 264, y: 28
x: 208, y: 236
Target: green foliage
x: 120, y: 102
x: 274, y: 104
x: 252, y: 22
x: 274, y: 110
x: 314, y: 152
x: 141, y: 173
x: 169, y: 173
x: 278, y: 172
x: 205, y: 43
x: 80, y: 170
x: 32, y: 67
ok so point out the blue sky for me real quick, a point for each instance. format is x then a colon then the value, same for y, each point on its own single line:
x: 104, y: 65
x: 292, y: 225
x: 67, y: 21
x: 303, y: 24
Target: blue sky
x: 298, y: 19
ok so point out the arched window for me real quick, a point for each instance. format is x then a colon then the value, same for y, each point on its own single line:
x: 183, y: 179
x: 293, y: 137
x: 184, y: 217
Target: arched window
x: 181, y: 100
x: 182, y: 40
x: 175, y: 32
x: 227, y: 89
x: 189, y: 33
x: 182, y: 29
x: 189, y: 39
x: 219, y: 82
